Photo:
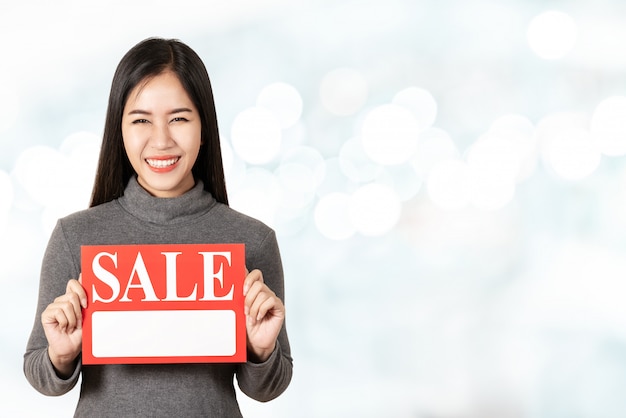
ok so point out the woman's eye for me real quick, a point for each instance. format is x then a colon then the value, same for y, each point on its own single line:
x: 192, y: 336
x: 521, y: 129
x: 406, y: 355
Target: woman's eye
x: 140, y: 121
x: 179, y: 119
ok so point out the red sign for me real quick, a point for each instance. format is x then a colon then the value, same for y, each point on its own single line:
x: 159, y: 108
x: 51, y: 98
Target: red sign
x: 175, y: 303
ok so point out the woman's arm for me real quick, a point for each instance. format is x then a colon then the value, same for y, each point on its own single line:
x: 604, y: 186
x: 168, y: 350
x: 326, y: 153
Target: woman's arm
x: 51, y: 361
x: 268, y: 371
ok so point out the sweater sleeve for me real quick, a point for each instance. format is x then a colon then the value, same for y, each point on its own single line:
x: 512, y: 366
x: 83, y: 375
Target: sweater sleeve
x: 266, y: 381
x: 57, y: 268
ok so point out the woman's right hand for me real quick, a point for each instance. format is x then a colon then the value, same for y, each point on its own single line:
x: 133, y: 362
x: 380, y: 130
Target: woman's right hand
x: 62, y: 324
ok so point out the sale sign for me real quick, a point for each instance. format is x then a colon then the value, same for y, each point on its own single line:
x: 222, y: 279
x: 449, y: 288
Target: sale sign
x: 173, y: 303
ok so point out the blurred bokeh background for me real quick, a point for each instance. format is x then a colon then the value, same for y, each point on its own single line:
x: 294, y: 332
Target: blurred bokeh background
x: 447, y: 180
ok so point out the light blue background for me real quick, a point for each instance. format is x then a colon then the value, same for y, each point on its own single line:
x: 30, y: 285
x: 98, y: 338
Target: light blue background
x: 507, y: 313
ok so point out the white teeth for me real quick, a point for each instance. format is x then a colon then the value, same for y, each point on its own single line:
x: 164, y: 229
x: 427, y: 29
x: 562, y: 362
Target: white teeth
x: 161, y: 163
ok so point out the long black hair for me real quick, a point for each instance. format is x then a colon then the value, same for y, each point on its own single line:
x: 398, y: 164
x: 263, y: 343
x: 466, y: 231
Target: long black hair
x: 150, y: 58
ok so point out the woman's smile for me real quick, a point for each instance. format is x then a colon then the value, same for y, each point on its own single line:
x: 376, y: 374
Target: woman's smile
x: 162, y: 164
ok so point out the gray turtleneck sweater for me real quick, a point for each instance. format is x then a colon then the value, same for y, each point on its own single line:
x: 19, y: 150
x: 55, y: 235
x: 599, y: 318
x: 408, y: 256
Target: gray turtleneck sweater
x: 147, y: 390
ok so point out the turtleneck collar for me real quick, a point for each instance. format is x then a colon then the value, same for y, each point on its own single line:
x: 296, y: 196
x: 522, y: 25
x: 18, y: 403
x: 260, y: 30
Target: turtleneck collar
x: 161, y: 210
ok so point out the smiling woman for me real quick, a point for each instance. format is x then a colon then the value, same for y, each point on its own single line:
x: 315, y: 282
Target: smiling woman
x: 159, y: 181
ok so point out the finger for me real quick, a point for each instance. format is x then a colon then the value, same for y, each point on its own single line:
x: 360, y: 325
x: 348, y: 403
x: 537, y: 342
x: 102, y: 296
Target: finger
x: 70, y: 304
x: 255, y: 292
x: 270, y: 304
x: 53, y: 315
x: 60, y: 315
x: 252, y: 277
x: 75, y: 286
x: 264, y: 299
x: 77, y: 297
x: 71, y: 309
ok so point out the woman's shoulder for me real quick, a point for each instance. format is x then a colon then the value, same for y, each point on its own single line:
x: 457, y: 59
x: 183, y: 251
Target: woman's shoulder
x: 239, y: 226
x: 239, y: 218
x: 102, y: 213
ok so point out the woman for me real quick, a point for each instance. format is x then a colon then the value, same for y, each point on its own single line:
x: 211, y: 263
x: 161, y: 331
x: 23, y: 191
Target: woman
x: 159, y: 180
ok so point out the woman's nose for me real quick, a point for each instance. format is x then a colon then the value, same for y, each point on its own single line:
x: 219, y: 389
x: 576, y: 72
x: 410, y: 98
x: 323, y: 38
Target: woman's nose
x: 161, y: 137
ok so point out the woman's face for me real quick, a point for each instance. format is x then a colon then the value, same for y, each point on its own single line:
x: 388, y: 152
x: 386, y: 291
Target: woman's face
x: 161, y: 129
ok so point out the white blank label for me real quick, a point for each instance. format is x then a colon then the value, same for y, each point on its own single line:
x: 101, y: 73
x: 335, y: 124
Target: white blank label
x: 163, y: 333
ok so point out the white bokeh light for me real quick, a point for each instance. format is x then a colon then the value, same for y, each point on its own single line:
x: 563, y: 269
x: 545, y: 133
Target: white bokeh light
x: 83, y: 149
x: 550, y: 127
x: 294, y: 136
x: 497, y: 153
x: 298, y: 185
x: 308, y: 157
x: 256, y: 135
x: 566, y: 145
x: 519, y: 132
x: 513, y: 122
x: 81, y: 140
x: 490, y: 189
x: 331, y: 216
x: 258, y: 195
x: 420, y: 102
x: 551, y: 124
x: 572, y: 154
x: 335, y: 180
x: 19, y: 234
x: 355, y: 163
x: 234, y: 167
x: 374, y: 209
x: 389, y: 134
x: 608, y: 126
x: 228, y: 157
x: 60, y: 181
x: 343, y: 91
x: 552, y: 34
x: 495, y: 161
x: 600, y: 46
x: 434, y: 145
x: 6, y: 191
x: 449, y: 185
x: 284, y: 101
x: 402, y: 179
x: 42, y: 172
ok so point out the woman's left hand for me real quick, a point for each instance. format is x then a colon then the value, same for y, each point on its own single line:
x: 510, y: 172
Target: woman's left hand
x: 265, y: 314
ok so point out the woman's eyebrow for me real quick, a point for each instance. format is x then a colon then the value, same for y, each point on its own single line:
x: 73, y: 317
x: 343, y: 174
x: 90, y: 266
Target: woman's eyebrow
x: 139, y: 112
x: 171, y: 112
x: 180, y: 110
